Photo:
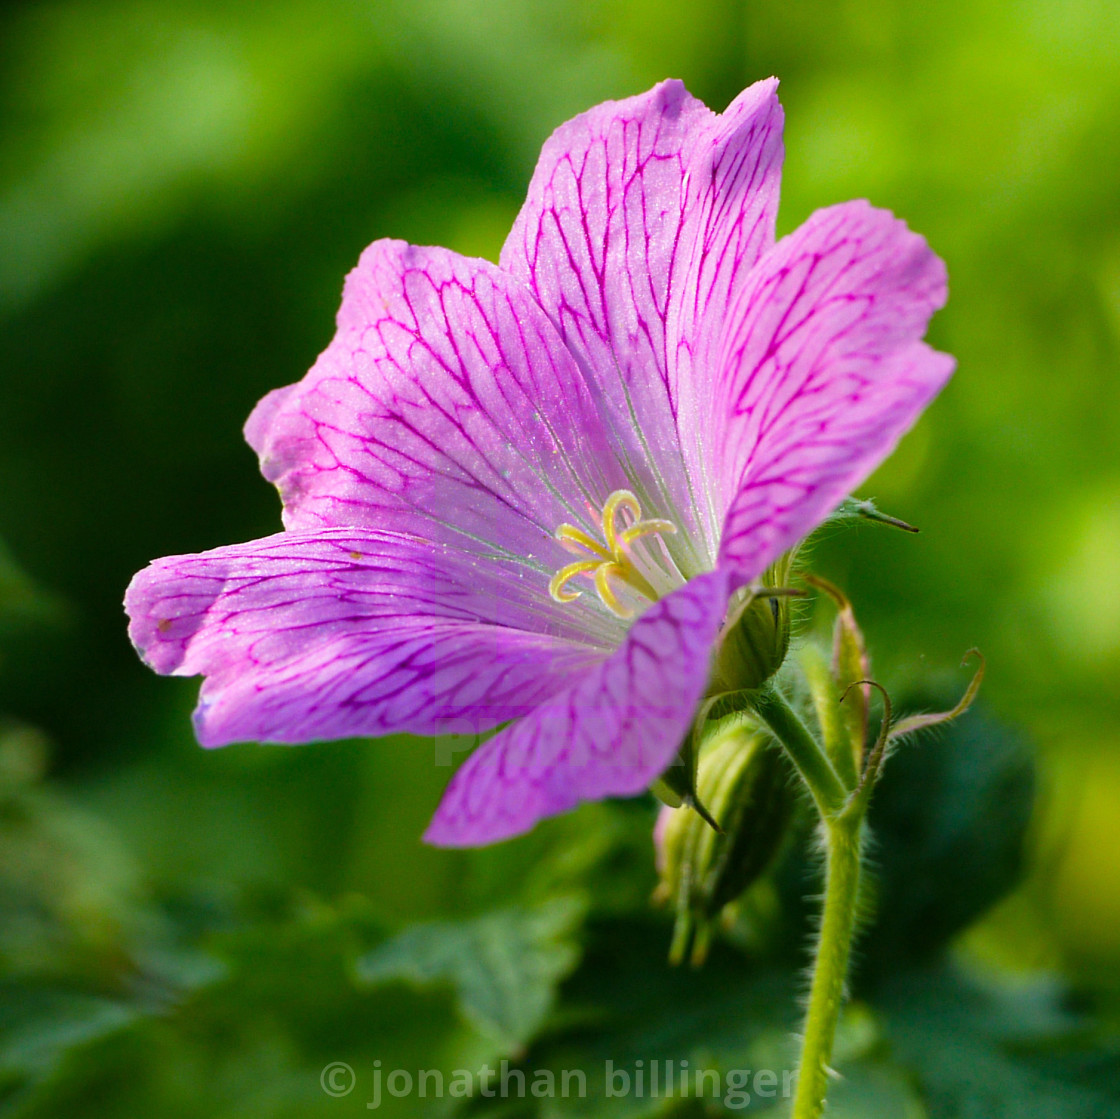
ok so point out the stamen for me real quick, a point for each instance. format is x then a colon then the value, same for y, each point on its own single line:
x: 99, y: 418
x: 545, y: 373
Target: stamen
x: 612, y: 563
x: 616, y: 501
x: 557, y: 585
x: 645, y: 528
x: 606, y: 591
x: 575, y: 539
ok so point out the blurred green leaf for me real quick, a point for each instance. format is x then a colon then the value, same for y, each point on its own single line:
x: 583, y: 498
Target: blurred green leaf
x: 69, y: 889
x: 972, y: 1050
x: 44, y: 1036
x: 505, y: 967
x: 875, y: 1089
x: 625, y: 1008
x: 124, y: 110
x: 22, y: 602
x: 949, y: 820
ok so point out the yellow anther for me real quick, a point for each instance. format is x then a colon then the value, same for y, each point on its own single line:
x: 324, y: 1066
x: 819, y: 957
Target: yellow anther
x: 647, y: 528
x: 558, y: 584
x: 618, y: 500
x: 612, y: 561
x: 575, y: 539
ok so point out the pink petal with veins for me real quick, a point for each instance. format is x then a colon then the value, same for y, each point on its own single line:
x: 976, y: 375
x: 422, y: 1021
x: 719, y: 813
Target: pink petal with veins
x: 823, y: 372
x: 610, y: 733
x: 344, y: 632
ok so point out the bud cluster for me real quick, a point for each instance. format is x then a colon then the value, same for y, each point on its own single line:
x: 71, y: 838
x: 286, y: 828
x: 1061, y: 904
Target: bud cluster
x: 731, y: 799
x: 743, y: 784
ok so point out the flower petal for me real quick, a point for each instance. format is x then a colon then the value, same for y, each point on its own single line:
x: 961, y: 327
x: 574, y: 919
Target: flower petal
x: 610, y: 734
x: 730, y: 207
x: 446, y: 406
x: 338, y: 633
x: 823, y: 373
x: 642, y: 217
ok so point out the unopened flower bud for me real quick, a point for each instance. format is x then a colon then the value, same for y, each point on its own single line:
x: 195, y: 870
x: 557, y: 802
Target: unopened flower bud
x: 756, y: 636
x: 742, y: 781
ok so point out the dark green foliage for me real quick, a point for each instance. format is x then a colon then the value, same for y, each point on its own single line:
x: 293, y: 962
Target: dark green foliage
x: 974, y: 1049
x: 949, y: 821
x: 504, y: 967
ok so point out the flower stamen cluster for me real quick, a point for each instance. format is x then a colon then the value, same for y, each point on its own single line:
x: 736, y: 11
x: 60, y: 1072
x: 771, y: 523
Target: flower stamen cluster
x: 611, y: 560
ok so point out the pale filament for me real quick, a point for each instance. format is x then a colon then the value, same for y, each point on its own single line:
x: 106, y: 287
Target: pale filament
x: 610, y: 561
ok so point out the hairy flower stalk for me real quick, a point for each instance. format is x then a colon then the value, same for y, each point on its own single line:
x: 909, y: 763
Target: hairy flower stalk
x: 843, y: 863
x: 703, y: 871
x: 539, y: 498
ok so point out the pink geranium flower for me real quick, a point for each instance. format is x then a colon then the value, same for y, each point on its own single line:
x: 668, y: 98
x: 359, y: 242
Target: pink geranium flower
x: 531, y: 491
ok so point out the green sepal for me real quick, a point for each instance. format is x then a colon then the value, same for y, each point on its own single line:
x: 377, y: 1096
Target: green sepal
x: 743, y: 781
x: 857, y: 509
x: 756, y: 636
x: 850, y: 665
x: 825, y: 696
x: 677, y: 785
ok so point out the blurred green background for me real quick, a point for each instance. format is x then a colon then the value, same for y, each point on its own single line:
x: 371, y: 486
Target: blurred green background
x: 183, y: 185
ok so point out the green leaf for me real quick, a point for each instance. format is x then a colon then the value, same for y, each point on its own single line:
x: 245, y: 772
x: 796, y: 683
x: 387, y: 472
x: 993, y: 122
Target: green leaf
x: 974, y: 1048
x: 69, y: 890
x: 42, y: 1031
x: 949, y: 817
x: 875, y: 1089
x: 505, y: 967
x: 22, y: 602
x: 626, y: 1005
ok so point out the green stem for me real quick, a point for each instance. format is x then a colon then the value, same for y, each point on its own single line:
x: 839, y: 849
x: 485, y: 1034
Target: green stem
x: 841, y: 810
x: 826, y: 996
x: 812, y: 762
